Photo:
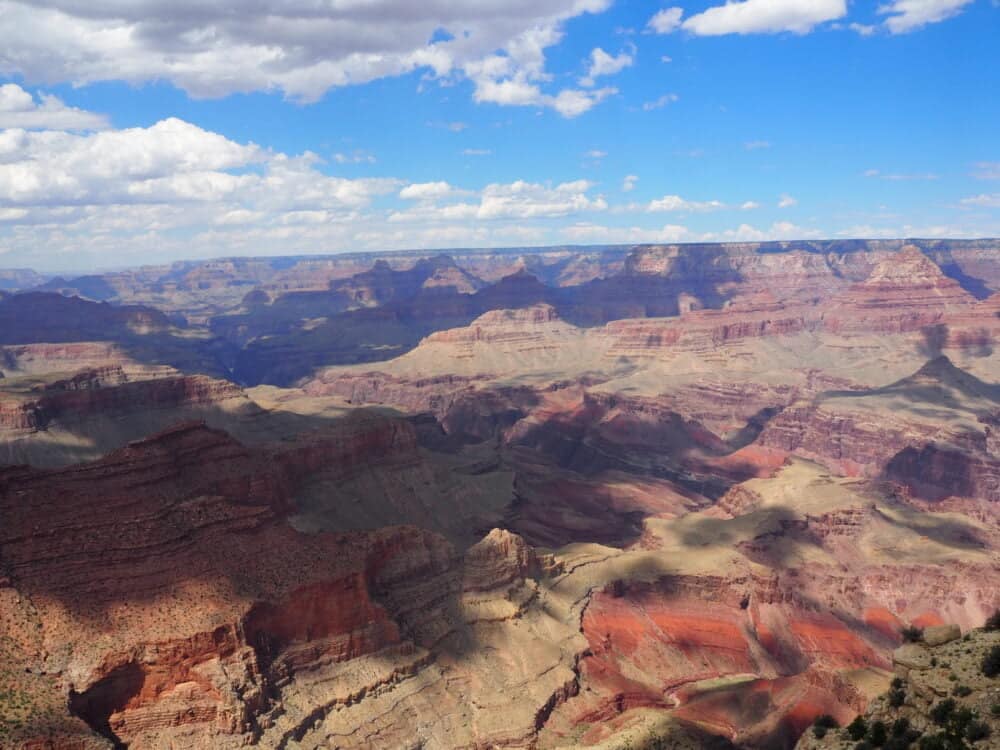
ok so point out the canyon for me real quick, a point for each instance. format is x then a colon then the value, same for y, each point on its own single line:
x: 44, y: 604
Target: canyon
x: 532, y: 498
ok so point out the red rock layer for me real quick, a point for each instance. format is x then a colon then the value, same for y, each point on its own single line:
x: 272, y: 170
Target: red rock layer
x: 107, y: 391
x: 171, y: 592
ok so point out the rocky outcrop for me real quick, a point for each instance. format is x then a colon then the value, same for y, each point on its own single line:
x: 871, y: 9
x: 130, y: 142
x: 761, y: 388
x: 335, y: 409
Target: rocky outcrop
x: 88, y: 414
x: 930, y: 431
x: 175, y: 605
x: 905, y: 292
x: 940, y: 697
x: 41, y: 317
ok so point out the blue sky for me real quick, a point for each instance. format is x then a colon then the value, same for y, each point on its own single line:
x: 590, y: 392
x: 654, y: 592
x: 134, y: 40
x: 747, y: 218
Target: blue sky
x: 177, y: 130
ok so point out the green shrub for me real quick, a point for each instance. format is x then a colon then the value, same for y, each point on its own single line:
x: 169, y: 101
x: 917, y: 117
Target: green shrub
x: 900, y: 726
x: 826, y: 721
x: 857, y: 728
x: 961, y: 691
x: 911, y: 634
x: 940, y: 712
x: 934, y: 742
x: 897, y: 683
x: 977, y: 730
x: 991, y: 662
x: 897, y: 698
x: 819, y: 731
x: 878, y: 734
x: 993, y: 621
x: 959, y: 722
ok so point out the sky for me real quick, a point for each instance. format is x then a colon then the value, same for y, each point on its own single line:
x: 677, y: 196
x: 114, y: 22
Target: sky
x: 146, y: 131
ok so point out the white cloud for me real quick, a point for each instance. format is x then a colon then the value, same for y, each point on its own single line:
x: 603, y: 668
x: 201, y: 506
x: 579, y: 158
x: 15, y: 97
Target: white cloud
x: 780, y: 230
x: 896, y: 177
x: 628, y: 184
x: 19, y: 109
x: 665, y: 21
x: 986, y: 170
x: 595, y: 153
x: 863, y: 29
x: 787, y: 201
x: 756, y: 145
x: 501, y: 201
x: 676, y: 203
x: 765, y: 17
x: 604, y: 64
x: 749, y: 206
x: 572, y: 103
x: 422, y: 191
x: 589, y: 232
x: 908, y: 15
x: 659, y: 103
x: 985, y: 200
x: 300, y: 47
x: 354, y: 157
x: 12, y: 214
x: 476, y: 152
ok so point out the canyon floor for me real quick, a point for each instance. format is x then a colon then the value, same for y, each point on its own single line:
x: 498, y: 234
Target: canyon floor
x: 657, y: 496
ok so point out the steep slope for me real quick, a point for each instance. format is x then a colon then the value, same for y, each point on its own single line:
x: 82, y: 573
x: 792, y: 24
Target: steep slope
x: 935, y: 432
x: 940, y: 697
x: 170, y: 605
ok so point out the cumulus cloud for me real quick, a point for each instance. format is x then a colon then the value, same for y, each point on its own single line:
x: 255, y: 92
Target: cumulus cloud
x: 628, y: 184
x: 665, y: 21
x: 590, y: 232
x: 991, y: 200
x: 862, y: 29
x: 898, y: 177
x: 986, y: 170
x: 20, y: 109
x: 514, y: 200
x: 909, y: 15
x: 604, y: 64
x: 660, y: 102
x: 749, y: 206
x: 176, y: 190
x: 299, y: 47
x: 765, y: 17
x: 676, y: 203
x: 109, y: 192
x: 780, y: 230
x: 596, y: 153
x: 354, y: 157
x: 422, y: 191
x: 787, y: 201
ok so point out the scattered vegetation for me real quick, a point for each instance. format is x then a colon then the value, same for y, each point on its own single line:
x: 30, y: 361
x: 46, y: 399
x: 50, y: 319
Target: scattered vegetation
x: 897, y: 697
x: 878, y: 733
x: 993, y: 621
x: 991, y: 662
x: 977, y: 730
x: 912, y: 634
x: 823, y: 724
x: 858, y: 728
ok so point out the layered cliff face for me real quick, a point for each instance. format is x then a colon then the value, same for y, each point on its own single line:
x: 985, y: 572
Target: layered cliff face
x: 512, y: 520
x: 940, y: 696
x: 905, y: 292
x: 55, y: 422
x: 932, y: 431
x: 170, y: 605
